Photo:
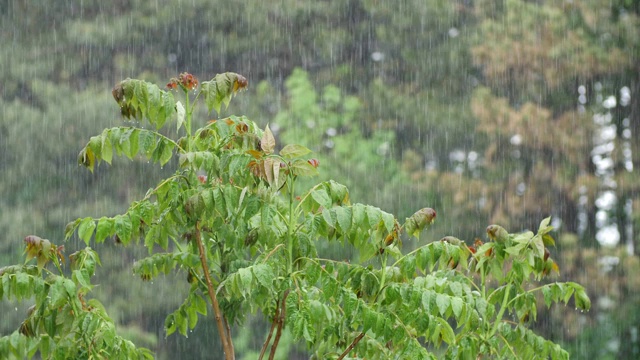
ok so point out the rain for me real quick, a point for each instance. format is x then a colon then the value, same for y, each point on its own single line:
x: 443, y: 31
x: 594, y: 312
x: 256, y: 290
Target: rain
x: 488, y: 111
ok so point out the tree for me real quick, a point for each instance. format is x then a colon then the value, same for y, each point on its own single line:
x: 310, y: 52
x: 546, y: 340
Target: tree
x: 233, y: 219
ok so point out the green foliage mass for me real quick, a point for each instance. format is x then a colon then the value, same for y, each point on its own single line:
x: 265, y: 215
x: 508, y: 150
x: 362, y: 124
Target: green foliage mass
x: 234, y: 220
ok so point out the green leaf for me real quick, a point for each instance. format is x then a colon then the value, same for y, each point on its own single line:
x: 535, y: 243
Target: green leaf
x: 140, y: 99
x: 199, y: 304
x: 322, y: 198
x: 245, y: 279
x: 456, y: 306
x: 388, y: 220
x: 58, y: 293
x: 446, y: 331
x: 369, y: 319
x: 123, y: 228
x: 129, y: 142
x: 170, y: 324
x: 301, y: 167
x: 427, y: 297
x: 22, y: 285
x: 264, y: 274
x: 106, y: 151
x: 221, y: 89
x: 147, y: 142
x: 82, y: 278
x: 70, y: 228
x: 192, y: 315
x: 538, y: 246
x: 544, y: 226
x: 343, y: 215
x: 87, y: 158
x: 358, y: 215
x: 85, y: 229
x: 373, y: 215
x: 443, y: 302
x: 582, y: 299
x: 292, y: 151
x: 104, y: 229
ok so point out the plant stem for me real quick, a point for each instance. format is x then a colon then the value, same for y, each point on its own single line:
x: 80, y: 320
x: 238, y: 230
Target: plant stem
x: 384, y: 272
x: 280, y: 321
x: 225, y: 338
x: 266, y: 342
x: 503, y: 307
x: 290, y: 227
x: 351, y: 346
x: 232, y: 350
x: 187, y: 123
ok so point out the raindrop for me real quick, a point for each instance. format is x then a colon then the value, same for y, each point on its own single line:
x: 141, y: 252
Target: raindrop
x: 453, y: 32
x: 332, y: 132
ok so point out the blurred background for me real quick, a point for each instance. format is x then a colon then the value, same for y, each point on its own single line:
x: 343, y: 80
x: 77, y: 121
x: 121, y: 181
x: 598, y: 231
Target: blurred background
x: 489, y: 111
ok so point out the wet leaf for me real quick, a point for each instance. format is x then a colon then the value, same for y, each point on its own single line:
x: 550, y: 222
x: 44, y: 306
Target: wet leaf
x: 268, y: 142
x: 292, y: 151
x: 221, y: 89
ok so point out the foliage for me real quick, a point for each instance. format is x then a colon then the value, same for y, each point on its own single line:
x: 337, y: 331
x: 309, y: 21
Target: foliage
x: 61, y: 324
x: 233, y: 219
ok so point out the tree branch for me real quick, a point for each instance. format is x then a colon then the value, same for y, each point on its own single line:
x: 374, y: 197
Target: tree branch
x: 351, y: 346
x: 231, y: 347
x: 273, y: 326
x: 280, y: 321
x: 225, y: 337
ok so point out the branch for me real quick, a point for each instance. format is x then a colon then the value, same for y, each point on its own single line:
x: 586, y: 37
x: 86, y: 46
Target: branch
x: 225, y: 338
x: 273, y: 326
x: 351, y: 346
x: 503, y: 307
x: 280, y: 322
x: 231, y: 347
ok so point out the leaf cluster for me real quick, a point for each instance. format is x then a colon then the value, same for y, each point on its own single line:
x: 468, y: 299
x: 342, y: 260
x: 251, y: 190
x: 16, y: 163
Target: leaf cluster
x: 61, y: 324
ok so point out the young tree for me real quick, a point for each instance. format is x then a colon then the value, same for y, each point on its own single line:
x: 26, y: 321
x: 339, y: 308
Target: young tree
x: 233, y: 219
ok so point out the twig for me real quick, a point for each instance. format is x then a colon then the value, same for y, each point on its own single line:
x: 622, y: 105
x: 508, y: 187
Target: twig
x: 224, y: 337
x: 281, y: 317
x: 351, y: 346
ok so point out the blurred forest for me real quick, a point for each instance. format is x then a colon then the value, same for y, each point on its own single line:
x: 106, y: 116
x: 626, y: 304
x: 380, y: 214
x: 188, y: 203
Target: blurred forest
x: 489, y: 111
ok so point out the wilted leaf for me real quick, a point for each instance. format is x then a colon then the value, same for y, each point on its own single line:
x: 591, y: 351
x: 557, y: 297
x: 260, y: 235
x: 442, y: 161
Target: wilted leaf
x: 180, y: 111
x: 268, y: 142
